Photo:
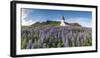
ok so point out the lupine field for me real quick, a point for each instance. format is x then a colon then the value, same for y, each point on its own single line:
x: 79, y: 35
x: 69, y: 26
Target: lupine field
x: 56, y: 37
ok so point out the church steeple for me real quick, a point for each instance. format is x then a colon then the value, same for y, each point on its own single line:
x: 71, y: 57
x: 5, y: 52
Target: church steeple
x: 62, y: 18
x: 62, y: 21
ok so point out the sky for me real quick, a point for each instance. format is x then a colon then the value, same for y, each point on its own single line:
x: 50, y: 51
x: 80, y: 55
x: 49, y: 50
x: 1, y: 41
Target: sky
x: 30, y: 16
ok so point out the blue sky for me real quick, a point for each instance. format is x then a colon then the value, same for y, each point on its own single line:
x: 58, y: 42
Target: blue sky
x: 30, y: 16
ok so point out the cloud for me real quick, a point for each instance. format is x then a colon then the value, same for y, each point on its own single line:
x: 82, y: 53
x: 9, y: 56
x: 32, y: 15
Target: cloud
x: 85, y: 22
x: 26, y: 22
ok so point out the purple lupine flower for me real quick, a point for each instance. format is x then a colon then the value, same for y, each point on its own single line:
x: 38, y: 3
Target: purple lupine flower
x: 47, y: 35
x: 66, y: 44
x: 80, y: 37
x: 29, y: 44
x: 73, y: 38
x: 41, y: 37
x: 44, y: 45
x: 38, y: 45
x: 85, y: 35
x: 63, y: 37
x: 58, y: 36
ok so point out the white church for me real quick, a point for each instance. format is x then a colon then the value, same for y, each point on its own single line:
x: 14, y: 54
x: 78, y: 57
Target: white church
x: 63, y: 22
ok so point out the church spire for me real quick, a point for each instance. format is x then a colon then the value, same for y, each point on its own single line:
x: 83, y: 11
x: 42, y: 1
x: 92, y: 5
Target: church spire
x: 62, y: 18
x: 62, y: 21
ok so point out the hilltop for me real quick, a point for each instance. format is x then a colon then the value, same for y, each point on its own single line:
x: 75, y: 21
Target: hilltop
x: 50, y: 24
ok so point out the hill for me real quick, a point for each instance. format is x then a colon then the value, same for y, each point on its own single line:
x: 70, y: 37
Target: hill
x: 48, y: 23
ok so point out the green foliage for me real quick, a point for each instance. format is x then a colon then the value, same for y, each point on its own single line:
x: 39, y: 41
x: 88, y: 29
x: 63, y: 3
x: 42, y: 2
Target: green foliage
x: 42, y: 25
x: 23, y: 43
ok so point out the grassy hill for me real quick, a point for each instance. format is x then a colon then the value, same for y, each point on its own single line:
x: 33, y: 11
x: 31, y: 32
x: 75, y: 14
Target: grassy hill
x: 45, y: 24
x: 48, y: 23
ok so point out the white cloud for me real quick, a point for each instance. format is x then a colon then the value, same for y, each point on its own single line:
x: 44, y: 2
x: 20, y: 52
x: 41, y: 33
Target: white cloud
x: 27, y: 23
x: 82, y: 21
x: 24, y: 21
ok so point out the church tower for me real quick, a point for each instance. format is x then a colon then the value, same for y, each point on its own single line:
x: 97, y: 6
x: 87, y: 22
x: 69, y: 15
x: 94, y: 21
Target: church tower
x: 62, y: 21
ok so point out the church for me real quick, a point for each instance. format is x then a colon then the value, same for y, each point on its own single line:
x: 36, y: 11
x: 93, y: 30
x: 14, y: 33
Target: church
x: 63, y: 22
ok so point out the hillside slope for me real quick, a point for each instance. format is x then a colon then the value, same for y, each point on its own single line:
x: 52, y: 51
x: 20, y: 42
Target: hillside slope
x: 39, y: 25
